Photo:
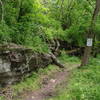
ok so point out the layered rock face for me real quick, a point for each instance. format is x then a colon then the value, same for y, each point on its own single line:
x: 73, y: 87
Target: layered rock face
x: 17, y: 62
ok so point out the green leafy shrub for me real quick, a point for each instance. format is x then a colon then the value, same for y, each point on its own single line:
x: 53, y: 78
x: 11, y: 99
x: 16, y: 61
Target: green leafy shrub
x: 5, y: 33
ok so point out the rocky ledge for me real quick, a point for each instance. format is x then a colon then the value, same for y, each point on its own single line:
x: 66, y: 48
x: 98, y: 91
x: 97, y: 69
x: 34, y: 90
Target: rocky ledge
x: 17, y: 62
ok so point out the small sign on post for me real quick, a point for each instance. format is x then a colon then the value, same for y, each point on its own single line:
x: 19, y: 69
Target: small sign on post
x: 89, y: 42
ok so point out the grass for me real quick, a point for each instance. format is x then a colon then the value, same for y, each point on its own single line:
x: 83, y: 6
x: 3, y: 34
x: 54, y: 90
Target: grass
x: 84, y: 83
x: 2, y: 98
x: 65, y: 58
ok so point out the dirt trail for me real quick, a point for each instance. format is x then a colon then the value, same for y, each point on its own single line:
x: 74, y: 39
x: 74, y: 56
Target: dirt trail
x: 49, y: 84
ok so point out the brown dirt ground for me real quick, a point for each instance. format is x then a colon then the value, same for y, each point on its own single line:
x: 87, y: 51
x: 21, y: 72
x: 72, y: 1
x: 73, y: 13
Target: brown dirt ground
x: 49, y: 84
x: 48, y: 87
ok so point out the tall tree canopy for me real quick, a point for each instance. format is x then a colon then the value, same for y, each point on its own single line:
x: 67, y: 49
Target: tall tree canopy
x: 26, y: 21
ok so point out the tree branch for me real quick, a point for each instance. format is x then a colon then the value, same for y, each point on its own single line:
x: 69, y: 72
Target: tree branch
x: 96, y: 11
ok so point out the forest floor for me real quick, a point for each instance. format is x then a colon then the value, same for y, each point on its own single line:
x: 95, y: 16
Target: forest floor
x: 49, y: 85
x: 54, y: 83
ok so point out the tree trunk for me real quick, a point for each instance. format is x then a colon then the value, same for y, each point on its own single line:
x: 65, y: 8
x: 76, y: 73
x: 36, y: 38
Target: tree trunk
x: 88, y: 48
x: 86, y: 56
x: 19, y: 10
x: 2, y: 8
x: 91, y: 34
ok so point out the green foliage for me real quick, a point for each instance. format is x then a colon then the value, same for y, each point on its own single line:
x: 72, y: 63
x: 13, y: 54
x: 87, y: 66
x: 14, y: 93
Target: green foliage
x: 2, y: 98
x: 22, y: 21
x: 5, y: 33
x: 28, y: 84
x: 37, y: 44
x: 65, y: 58
x: 25, y: 20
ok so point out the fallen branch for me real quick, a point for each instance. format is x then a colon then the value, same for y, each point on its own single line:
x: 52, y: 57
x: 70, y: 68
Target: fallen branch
x: 56, y: 61
x: 73, y: 51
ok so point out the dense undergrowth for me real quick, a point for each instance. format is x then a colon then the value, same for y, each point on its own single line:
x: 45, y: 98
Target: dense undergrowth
x: 34, y: 23
x: 84, y: 83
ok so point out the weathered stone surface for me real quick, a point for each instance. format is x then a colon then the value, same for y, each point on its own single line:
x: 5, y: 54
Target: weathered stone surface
x: 16, y: 62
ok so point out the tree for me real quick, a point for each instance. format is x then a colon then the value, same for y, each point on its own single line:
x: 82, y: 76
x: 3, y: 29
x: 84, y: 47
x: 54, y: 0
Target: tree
x: 90, y: 35
x: 2, y: 11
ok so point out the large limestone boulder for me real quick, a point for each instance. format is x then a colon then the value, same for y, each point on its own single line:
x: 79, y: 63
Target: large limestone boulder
x: 17, y: 62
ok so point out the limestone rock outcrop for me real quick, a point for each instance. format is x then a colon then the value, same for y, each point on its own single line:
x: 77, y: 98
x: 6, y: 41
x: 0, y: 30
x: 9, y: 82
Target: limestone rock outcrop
x: 17, y: 62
